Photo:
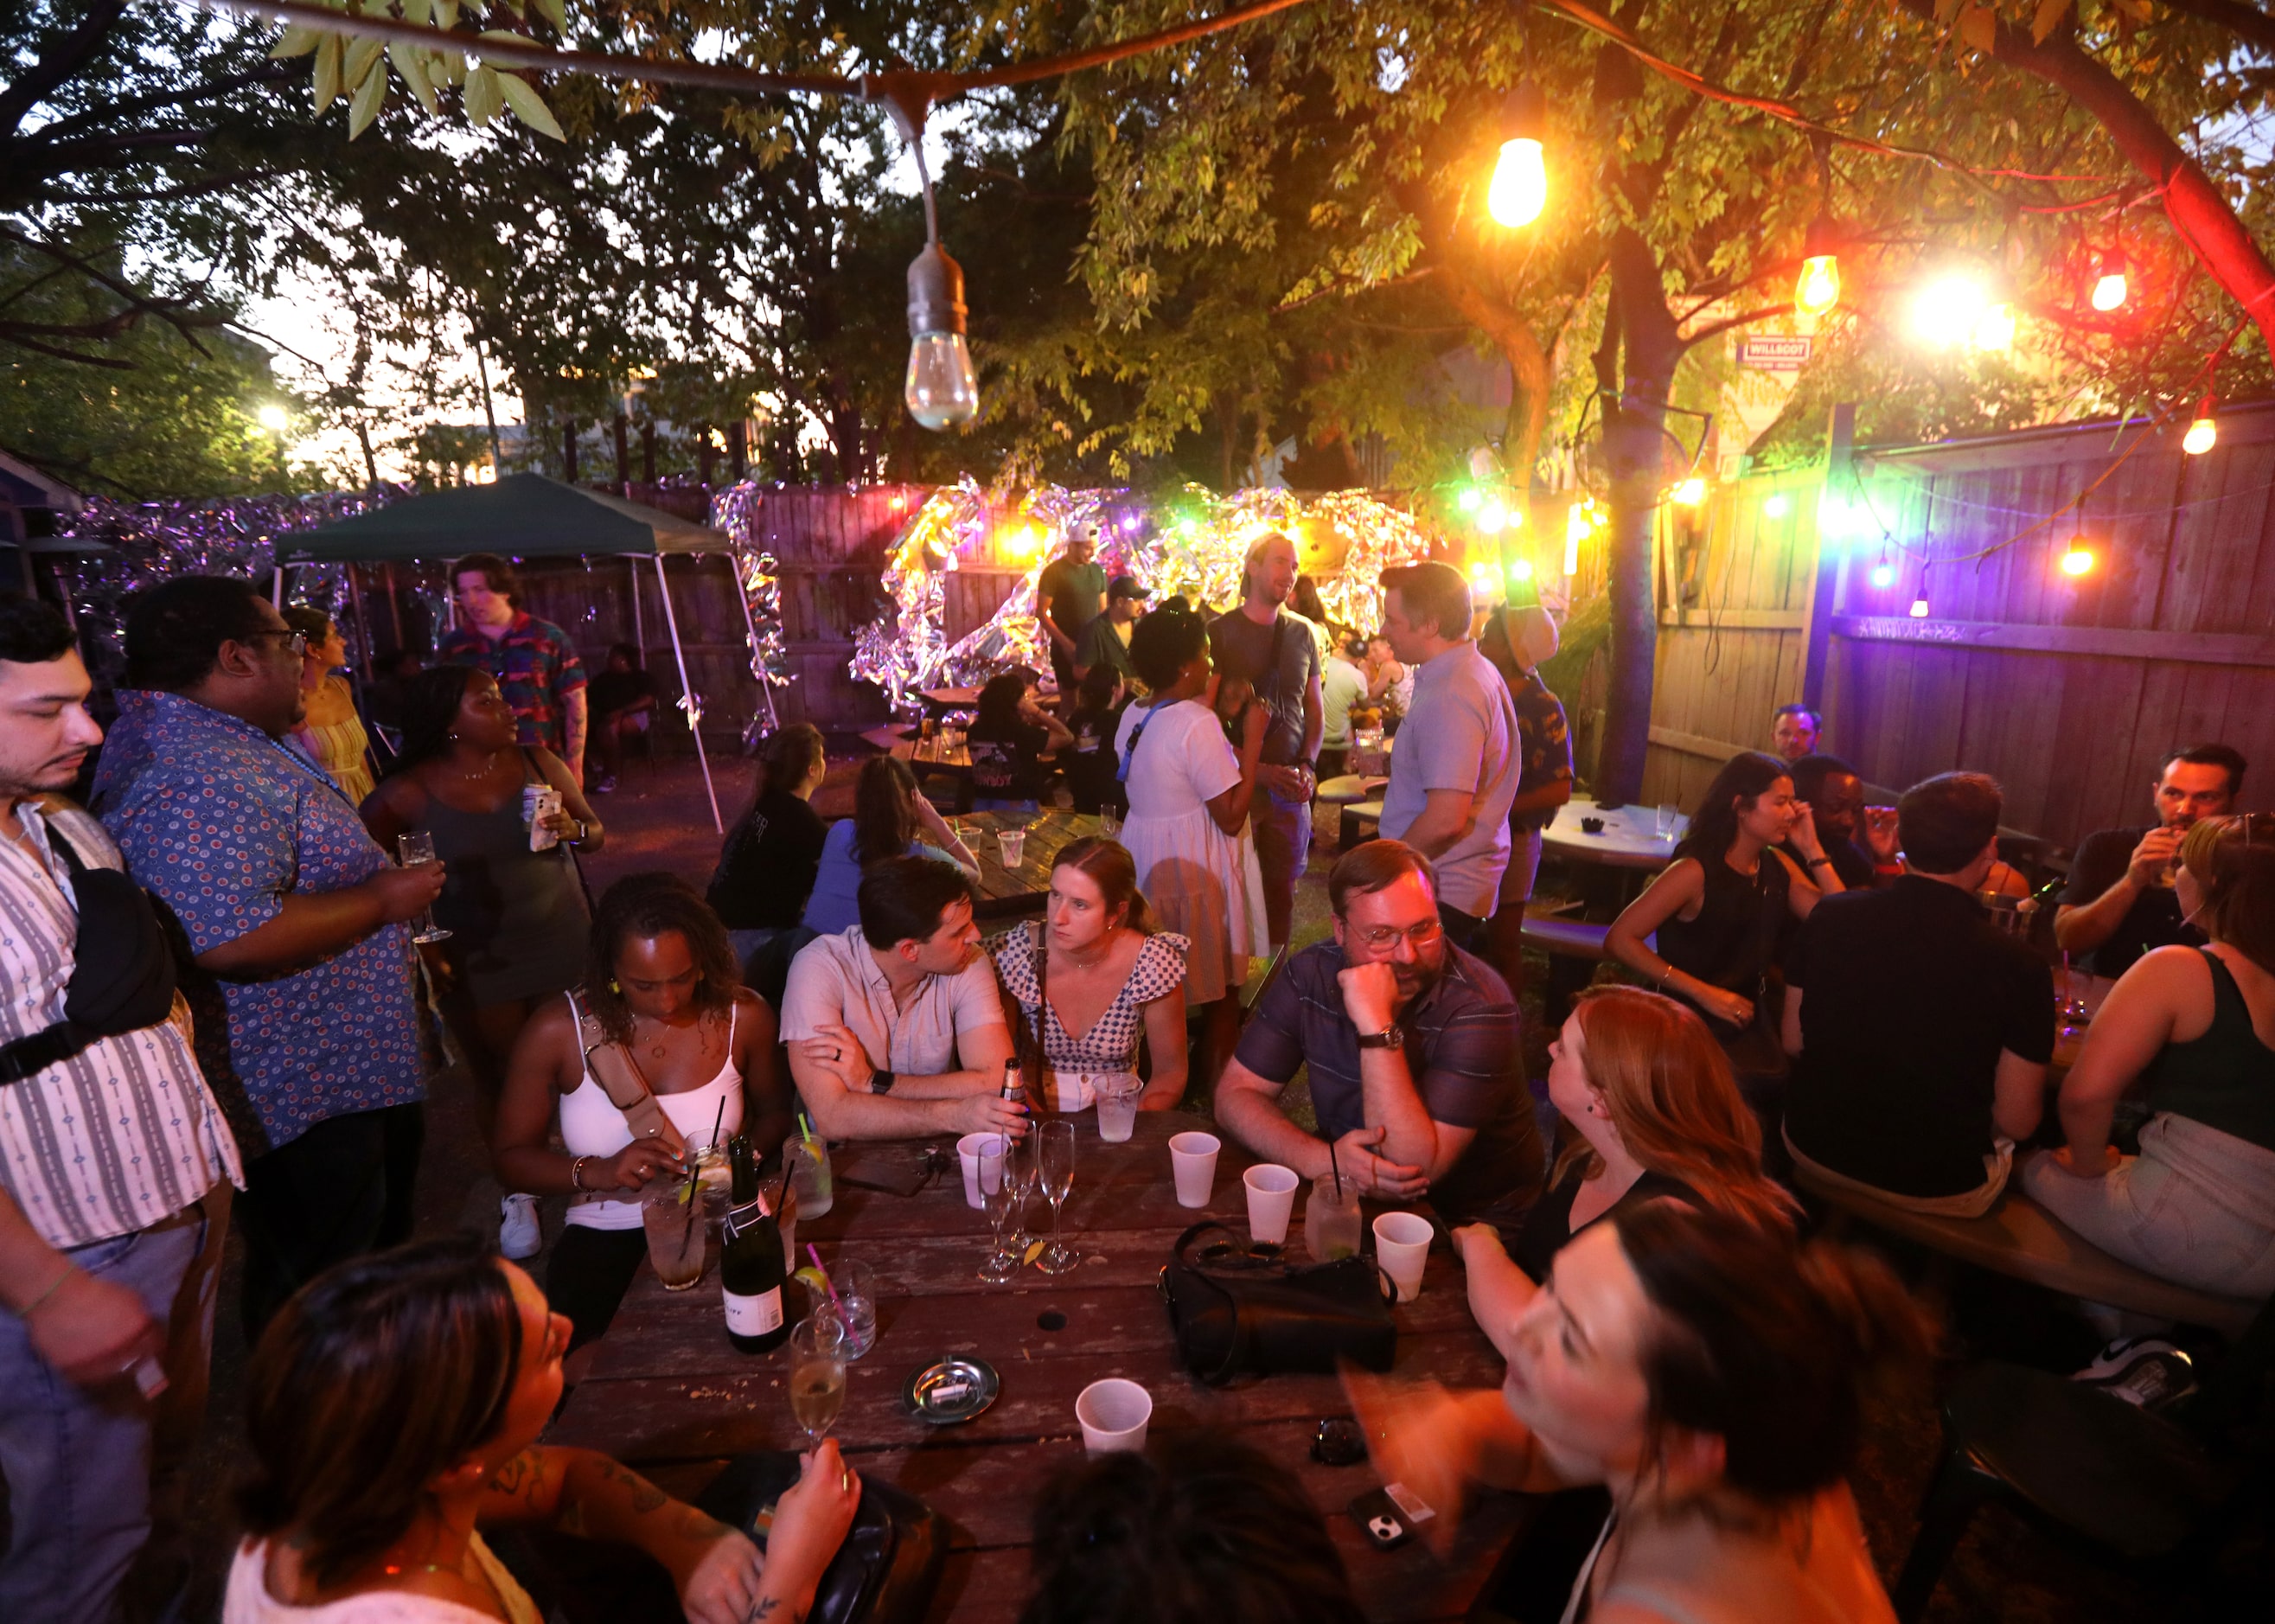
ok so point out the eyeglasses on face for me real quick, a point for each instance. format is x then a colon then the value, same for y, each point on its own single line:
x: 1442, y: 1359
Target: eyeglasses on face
x: 296, y: 641
x: 1421, y: 935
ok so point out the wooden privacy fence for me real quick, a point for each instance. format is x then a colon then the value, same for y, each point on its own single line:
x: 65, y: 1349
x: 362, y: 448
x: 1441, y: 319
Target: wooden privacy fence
x: 2070, y: 688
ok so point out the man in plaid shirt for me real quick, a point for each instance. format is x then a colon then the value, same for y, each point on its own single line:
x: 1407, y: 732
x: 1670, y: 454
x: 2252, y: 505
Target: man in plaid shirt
x: 535, y: 665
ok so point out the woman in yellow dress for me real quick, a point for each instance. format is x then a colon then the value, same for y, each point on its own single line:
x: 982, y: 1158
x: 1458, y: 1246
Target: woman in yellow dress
x: 331, y: 732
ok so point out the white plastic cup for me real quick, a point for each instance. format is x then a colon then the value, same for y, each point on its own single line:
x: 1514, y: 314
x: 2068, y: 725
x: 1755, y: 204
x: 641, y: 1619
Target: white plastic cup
x: 1401, y: 1245
x: 969, y: 1148
x: 1113, y: 1414
x: 1192, y: 1158
x: 1271, y: 1200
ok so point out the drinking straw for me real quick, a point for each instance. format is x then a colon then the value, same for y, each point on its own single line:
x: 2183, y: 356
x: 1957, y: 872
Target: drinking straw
x: 805, y: 1129
x: 827, y: 1285
x: 1337, y: 1171
x: 687, y: 1231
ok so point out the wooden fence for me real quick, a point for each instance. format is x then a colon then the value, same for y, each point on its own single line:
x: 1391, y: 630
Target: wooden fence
x: 2070, y: 689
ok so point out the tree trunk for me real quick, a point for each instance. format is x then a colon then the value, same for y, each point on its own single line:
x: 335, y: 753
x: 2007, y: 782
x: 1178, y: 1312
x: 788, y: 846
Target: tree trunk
x: 1634, y: 434
x: 620, y: 427
x: 647, y: 451
x: 569, y: 454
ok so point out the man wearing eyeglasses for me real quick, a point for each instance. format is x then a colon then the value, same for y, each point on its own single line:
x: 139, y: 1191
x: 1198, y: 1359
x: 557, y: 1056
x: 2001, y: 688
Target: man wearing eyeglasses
x: 1411, y: 1047
x: 300, y: 966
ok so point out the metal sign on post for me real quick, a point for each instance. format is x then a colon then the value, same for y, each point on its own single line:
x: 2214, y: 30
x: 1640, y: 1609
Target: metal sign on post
x: 1775, y: 351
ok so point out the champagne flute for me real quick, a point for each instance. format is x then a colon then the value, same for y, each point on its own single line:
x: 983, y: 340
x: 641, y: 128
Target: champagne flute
x: 1054, y: 1154
x: 997, y: 1193
x: 817, y: 1374
x: 1020, y: 1171
x: 415, y: 849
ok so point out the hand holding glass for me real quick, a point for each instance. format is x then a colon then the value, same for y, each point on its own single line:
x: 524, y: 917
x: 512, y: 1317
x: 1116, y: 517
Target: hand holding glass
x: 415, y: 849
x: 817, y: 1374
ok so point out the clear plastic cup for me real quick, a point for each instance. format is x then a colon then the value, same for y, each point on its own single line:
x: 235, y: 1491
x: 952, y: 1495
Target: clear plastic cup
x: 1012, y: 845
x: 1192, y: 1158
x: 675, y: 1232
x: 1117, y: 1095
x: 1331, y: 1221
x: 856, y: 1306
x: 1271, y: 1200
x: 1113, y: 1414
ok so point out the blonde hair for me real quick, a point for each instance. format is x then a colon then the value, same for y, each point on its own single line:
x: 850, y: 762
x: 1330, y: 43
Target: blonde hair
x: 2232, y: 859
x: 1675, y: 1102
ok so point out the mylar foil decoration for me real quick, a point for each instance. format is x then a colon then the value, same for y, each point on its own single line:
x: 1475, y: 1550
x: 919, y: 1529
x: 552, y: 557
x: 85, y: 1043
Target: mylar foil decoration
x: 736, y: 511
x: 1192, y: 543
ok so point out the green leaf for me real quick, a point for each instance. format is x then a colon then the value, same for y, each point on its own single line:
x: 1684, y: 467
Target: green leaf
x: 370, y: 98
x: 421, y: 12
x: 555, y: 12
x: 297, y: 40
x: 2049, y: 15
x: 363, y: 55
x: 448, y: 67
x: 410, y: 61
x: 446, y: 13
x: 483, y: 102
x: 328, y: 51
x: 528, y: 106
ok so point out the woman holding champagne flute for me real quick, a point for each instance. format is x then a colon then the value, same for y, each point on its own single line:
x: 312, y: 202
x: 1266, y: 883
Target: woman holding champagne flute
x: 1095, y: 966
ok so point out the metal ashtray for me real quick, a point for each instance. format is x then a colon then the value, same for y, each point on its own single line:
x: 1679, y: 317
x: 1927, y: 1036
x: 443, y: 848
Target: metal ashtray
x: 952, y: 1391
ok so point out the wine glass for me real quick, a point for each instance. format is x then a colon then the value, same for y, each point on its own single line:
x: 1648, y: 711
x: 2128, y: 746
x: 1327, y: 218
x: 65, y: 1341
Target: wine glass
x: 817, y: 1374
x: 415, y: 849
x: 998, y: 1193
x: 1054, y: 1155
x: 1020, y: 1171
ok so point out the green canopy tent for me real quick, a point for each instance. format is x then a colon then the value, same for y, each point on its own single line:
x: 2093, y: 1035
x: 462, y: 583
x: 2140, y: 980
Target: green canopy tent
x: 524, y: 516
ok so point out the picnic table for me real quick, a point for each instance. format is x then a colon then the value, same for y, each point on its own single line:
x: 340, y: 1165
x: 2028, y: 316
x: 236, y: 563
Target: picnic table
x: 1628, y: 839
x: 1006, y: 893
x: 668, y: 1395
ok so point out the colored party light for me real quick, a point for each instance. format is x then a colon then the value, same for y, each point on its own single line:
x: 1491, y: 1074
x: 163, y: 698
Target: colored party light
x: 2109, y: 290
x: 1884, y: 576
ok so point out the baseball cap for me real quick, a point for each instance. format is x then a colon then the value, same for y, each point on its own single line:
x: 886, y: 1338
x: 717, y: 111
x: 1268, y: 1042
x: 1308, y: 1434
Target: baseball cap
x: 1126, y: 586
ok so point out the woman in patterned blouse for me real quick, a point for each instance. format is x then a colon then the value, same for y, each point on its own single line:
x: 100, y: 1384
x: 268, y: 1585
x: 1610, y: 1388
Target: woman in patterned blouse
x: 1096, y: 966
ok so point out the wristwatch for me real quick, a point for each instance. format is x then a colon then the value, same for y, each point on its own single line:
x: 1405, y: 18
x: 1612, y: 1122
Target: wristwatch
x: 881, y: 1081
x: 1390, y: 1038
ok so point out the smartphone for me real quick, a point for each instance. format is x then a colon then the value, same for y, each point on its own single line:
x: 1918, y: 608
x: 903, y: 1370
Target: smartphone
x: 1389, y: 1515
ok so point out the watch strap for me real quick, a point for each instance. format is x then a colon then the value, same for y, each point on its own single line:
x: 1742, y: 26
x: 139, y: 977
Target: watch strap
x: 881, y: 1081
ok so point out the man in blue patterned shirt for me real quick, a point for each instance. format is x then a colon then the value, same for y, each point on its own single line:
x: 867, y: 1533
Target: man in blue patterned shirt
x: 300, y: 965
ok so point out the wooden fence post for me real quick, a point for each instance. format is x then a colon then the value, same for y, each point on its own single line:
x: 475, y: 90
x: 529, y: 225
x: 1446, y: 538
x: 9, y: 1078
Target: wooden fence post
x: 1839, y: 465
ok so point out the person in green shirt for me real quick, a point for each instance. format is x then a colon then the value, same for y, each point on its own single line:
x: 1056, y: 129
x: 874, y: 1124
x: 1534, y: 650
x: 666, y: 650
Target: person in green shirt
x: 1105, y: 641
x: 1068, y: 595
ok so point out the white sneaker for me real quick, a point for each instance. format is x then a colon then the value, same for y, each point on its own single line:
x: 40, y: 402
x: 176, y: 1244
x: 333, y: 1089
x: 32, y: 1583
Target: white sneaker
x: 518, y: 1235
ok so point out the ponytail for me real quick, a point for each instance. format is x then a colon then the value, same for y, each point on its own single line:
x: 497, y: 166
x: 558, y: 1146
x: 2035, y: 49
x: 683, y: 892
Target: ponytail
x: 786, y: 757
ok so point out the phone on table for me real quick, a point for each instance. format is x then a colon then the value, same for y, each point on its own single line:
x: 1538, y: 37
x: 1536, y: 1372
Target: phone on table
x: 1390, y: 1516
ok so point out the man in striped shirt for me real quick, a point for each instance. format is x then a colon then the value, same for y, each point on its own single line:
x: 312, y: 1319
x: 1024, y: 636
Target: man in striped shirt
x: 115, y: 1168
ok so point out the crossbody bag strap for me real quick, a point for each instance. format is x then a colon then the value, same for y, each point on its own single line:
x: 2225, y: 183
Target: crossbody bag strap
x: 611, y: 1065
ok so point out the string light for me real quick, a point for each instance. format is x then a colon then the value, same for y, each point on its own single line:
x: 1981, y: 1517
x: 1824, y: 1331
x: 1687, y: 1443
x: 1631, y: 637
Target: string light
x: 1919, y: 608
x: 1884, y: 573
x: 2078, y: 561
x: 2109, y: 290
x: 1471, y: 499
x: 1817, y: 289
x: 1492, y: 518
x: 1688, y: 493
x: 1957, y: 309
x: 1521, y: 570
x: 1519, y: 190
x: 1776, y: 506
x: 2203, y: 433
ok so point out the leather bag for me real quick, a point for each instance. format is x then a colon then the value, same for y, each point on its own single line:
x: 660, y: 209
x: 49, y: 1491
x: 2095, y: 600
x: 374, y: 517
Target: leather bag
x: 888, y: 1567
x: 620, y: 1078
x: 1238, y: 1312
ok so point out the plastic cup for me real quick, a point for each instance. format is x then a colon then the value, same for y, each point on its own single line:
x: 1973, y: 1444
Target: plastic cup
x: 1401, y: 1245
x: 1664, y: 818
x: 1113, y: 1414
x: 1271, y: 1200
x: 1012, y: 845
x: 675, y: 1232
x: 856, y: 1306
x: 1117, y: 1105
x: 1331, y: 1221
x: 969, y: 1148
x: 1192, y: 1158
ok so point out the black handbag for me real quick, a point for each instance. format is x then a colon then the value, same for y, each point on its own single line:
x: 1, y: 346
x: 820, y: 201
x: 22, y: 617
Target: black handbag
x: 888, y: 1567
x: 123, y: 976
x: 1238, y: 1312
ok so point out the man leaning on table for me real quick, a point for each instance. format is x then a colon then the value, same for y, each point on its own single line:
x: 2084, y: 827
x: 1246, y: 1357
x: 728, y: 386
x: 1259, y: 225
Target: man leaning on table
x: 1411, y: 1046
x: 894, y: 1026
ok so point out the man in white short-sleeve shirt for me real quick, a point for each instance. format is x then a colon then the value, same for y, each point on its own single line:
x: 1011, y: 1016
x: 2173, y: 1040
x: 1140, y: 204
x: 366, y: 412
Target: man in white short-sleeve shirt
x: 877, y: 1018
x: 1455, y: 769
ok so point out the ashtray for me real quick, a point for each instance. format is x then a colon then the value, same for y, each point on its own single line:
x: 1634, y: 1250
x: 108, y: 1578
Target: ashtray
x: 1591, y: 826
x: 951, y: 1392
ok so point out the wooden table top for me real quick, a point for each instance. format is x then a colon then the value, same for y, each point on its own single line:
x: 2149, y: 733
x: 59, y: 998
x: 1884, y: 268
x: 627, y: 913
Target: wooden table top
x: 670, y: 1396
x: 1006, y: 893
x: 1630, y: 838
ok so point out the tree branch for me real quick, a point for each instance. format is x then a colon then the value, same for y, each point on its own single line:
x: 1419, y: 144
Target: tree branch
x: 55, y: 67
x: 2248, y: 22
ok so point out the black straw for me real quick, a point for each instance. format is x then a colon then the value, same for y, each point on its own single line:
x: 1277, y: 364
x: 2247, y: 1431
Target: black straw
x: 1337, y: 1171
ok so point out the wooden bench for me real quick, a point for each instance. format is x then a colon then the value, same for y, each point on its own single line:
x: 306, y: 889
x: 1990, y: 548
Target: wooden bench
x: 2022, y: 1239
x: 1566, y: 938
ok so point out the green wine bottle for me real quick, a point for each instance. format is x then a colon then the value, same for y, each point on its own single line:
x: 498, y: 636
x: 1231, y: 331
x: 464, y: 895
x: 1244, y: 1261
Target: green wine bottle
x: 751, y: 1260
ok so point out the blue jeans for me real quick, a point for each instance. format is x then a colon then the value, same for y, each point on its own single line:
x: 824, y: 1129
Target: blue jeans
x: 77, y: 1463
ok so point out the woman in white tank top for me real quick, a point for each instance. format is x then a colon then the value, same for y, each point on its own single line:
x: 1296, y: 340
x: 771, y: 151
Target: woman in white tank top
x: 664, y: 987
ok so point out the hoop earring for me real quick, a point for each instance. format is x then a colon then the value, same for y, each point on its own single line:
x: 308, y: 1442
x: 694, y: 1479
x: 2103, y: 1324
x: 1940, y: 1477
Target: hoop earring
x: 613, y: 987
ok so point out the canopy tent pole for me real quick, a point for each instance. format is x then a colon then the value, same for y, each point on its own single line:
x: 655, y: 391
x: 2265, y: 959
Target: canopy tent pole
x: 750, y: 627
x: 639, y: 625
x: 694, y: 724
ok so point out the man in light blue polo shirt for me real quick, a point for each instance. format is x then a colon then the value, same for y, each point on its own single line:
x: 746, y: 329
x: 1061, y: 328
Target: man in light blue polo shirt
x: 1455, y: 769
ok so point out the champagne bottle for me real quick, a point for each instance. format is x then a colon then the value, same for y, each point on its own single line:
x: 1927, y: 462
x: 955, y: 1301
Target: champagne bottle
x: 750, y: 1272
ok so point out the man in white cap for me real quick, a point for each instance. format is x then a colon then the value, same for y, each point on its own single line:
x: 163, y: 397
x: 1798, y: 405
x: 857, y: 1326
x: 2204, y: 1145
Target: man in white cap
x: 1516, y: 641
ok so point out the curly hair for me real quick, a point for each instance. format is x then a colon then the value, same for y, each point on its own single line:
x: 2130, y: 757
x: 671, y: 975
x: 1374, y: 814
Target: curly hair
x: 649, y: 905
x: 430, y: 708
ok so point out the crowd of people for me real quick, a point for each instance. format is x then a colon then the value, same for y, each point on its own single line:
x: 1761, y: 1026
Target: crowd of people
x: 242, y: 1032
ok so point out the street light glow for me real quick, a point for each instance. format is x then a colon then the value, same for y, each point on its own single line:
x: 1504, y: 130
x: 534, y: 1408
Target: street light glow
x: 1957, y: 309
x: 1520, y: 184
x: 275, y: 418
x: 1688, y: 493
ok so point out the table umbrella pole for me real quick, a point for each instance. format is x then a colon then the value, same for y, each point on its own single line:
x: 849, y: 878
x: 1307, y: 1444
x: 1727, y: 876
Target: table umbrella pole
x: 694, y: 724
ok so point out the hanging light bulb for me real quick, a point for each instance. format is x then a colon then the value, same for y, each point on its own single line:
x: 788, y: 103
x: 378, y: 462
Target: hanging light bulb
x: 1521, y: 570
x: 1818, y: 287
x: 1688, y: 493
x: 2109, y: 290
x: 1919, y: 608
x: 1471, y: 499
x: 941, y: 390
x: 1519, y: 190
x: 1884, y: 574
x: 2078, y: 561
x: 1493, y: 518
x: 1776, y: 505
x: 2203, y: 433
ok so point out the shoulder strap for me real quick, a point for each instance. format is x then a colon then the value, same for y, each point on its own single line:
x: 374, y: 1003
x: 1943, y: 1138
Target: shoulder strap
x: 611, y: 1065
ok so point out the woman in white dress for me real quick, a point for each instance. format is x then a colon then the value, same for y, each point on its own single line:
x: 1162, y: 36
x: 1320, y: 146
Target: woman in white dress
x: 1187, y: 830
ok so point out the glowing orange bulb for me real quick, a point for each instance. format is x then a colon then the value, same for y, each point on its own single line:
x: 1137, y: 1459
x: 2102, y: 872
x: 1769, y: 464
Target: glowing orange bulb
x: 2202, y: 434
x: 1818, y: 289
x: 2109, y: 291
x: 2078, y: 561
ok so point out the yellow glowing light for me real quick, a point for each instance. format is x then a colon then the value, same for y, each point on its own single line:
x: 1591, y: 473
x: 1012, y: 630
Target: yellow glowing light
x: 2109, y: 291
x: 2202, y: 434
x: 2077, y: 561
x: 1521, y: 570
x: 1520, y: 184
x: 1946, y: 311
x: 1818, y: 289
x: 1919, y: 608
x: 1994, y: 329
x: 275, y: 418
x: 1689, y: 492
x: 1485, y: 577
x: 1776, y: 506
x: 1492, y: 518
